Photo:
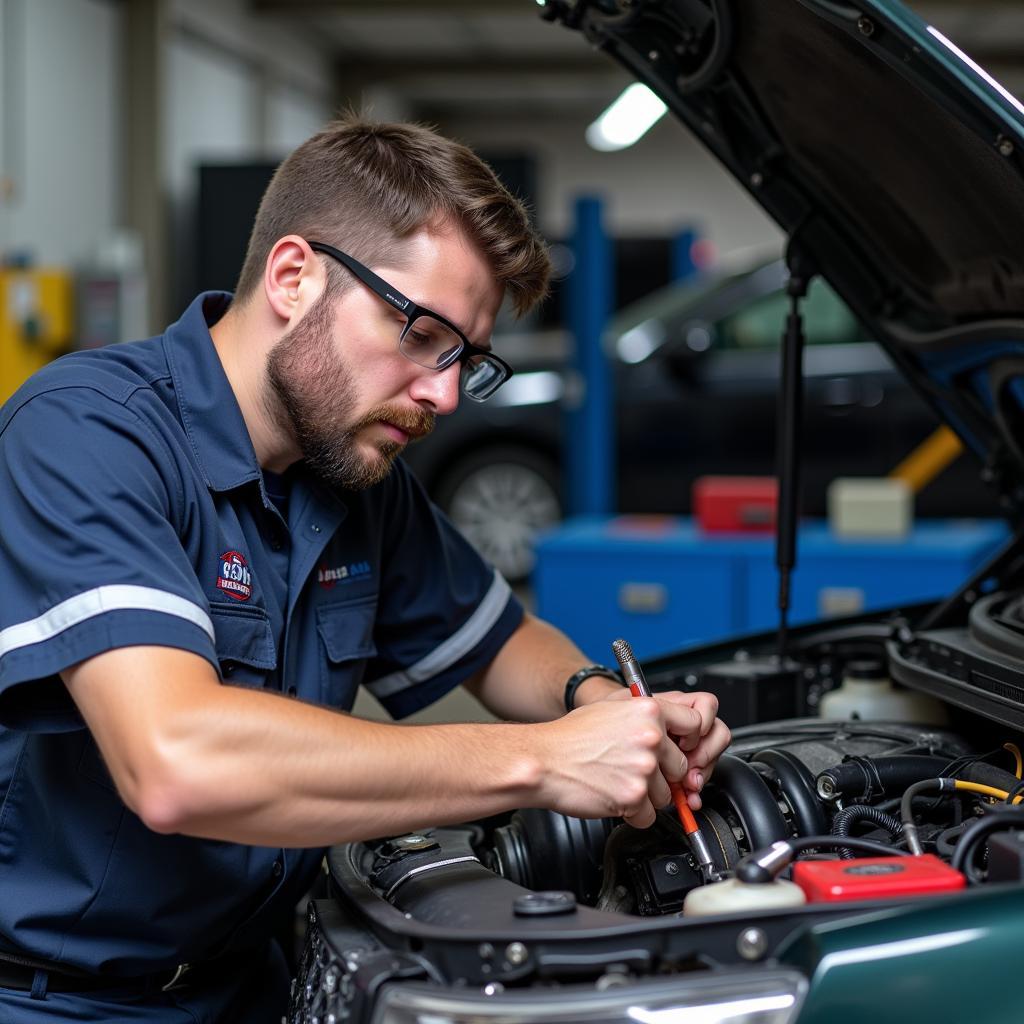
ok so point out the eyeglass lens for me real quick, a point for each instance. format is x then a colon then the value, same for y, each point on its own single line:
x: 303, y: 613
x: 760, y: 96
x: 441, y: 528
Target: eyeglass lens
x: 431, y: 343
x: 481, y: 376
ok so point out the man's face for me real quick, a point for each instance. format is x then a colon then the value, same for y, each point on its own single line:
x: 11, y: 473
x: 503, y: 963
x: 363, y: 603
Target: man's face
x: 338, y: 383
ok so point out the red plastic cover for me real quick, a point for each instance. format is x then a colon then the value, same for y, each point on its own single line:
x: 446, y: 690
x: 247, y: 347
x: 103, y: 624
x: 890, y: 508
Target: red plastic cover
x: 874, y: 878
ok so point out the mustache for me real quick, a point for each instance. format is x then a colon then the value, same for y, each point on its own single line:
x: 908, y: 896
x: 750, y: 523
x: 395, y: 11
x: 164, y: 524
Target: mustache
x: 416, y: 423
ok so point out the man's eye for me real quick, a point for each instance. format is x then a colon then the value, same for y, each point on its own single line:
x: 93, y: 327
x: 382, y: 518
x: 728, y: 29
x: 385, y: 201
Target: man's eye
x: 418, y: 337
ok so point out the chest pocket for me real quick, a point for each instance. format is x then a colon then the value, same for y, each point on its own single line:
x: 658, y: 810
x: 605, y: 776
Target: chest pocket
x: 346, y: 643
x: 244, y: 641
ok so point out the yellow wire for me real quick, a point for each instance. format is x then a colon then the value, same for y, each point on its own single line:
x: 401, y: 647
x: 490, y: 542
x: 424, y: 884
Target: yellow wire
x: 1015, y: 750
x: 977, y: 787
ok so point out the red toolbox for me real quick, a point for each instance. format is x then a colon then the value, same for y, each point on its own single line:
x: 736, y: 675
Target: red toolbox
x: 735, y: 503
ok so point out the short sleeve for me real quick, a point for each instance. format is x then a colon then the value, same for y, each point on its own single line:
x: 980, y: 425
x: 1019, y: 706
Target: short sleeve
x: 90, y: 556
x: 443, y: 614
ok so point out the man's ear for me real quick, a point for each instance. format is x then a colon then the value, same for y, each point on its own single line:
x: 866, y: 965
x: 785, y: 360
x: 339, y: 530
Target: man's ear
x: 293, y: 278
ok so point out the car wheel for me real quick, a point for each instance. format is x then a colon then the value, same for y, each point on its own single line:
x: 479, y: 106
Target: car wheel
x: 500, y: 500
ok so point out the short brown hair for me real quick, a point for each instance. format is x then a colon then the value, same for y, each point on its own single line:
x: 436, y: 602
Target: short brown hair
x: 363, y: 186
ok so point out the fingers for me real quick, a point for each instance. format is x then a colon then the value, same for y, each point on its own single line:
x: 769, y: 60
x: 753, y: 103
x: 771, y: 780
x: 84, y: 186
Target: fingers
x: 643, y: 817
x: 620, y: 760
x: 702, y: 760
x: 671, y: 760
x: 689, y: 716
x: 699, y: 733
x: 657, y: 755
x: 703, y: 757
x: 695, y: 740
x: 642, y: 797
x: 682, y: 721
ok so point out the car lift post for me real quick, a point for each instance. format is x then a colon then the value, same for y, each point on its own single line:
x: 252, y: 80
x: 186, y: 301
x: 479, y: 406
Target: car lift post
x: 590, y: 427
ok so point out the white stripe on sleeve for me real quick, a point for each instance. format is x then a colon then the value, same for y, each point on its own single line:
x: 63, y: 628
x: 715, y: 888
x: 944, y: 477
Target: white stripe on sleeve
x: 455, y: 647
x: 99, y: 601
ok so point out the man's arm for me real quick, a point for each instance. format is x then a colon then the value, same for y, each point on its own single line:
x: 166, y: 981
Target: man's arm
x: 526, y: 682
x: 190, y: 755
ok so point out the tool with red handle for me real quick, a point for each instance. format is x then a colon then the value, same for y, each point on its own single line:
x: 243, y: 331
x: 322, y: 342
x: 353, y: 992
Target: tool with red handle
x: 634, y: 677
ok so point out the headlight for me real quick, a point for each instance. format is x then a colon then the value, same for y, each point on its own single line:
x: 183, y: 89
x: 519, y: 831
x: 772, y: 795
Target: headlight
x: 767, y: 997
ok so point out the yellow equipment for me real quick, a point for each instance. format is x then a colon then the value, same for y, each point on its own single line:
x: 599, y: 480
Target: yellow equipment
x: 35, y: 322
x: 928, y: 459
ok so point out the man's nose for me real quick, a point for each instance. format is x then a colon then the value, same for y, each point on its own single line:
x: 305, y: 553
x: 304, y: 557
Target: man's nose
x: 440, y: 389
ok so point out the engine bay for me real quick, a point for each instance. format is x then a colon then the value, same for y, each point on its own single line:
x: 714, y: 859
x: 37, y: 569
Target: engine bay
x: 811, y: 820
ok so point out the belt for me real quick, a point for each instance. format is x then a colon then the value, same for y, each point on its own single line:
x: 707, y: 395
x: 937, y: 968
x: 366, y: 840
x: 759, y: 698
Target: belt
x: 61, y: 978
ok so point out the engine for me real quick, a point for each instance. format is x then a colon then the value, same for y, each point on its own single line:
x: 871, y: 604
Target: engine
x: 818, y: 786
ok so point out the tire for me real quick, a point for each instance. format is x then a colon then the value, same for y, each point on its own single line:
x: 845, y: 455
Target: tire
x: 501, y: 499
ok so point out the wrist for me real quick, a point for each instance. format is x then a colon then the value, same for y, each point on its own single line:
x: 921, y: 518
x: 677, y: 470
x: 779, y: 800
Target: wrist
x: 596, y: 680
x: 595, y: 688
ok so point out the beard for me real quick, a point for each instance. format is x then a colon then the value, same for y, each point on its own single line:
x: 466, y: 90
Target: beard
x: 311, y: 393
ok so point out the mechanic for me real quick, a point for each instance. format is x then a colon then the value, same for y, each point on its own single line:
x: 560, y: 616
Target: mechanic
x: 222, y: 504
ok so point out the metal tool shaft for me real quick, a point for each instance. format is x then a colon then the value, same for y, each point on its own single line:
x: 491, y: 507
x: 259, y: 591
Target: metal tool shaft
x: 631, y: 670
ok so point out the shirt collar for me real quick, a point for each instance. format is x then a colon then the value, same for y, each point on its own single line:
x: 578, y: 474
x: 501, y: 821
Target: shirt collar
x: 209, y: 410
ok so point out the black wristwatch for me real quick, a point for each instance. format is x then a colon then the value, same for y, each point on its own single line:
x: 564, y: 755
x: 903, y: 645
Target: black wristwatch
x: 573, y: 682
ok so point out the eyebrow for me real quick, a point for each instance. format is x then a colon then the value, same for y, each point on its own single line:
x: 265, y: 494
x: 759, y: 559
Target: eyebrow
x: 487, y: 347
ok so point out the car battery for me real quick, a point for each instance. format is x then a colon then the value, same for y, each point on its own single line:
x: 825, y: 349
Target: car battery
x: 875, y: 878
x: 735, y: 503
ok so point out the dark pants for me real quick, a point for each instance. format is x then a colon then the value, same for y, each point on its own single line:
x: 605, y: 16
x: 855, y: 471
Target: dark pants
x: 256, y: 994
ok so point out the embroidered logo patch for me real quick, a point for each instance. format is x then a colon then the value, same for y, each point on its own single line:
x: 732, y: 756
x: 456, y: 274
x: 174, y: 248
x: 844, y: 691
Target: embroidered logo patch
x: 327, y: 577
x: 234, y: 577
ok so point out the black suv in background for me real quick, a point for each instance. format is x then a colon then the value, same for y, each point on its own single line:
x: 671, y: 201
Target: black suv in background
x: 696, y: 374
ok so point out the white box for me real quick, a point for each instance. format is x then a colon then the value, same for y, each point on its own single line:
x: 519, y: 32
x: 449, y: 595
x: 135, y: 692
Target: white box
x: 870, y: 507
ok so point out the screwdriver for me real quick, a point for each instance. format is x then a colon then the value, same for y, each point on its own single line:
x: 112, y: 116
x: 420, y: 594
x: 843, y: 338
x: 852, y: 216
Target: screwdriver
x: 634, y: 677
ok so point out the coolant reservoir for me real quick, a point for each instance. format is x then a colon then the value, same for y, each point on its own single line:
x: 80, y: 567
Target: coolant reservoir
x: 733, y: 896
x: 867, y: 693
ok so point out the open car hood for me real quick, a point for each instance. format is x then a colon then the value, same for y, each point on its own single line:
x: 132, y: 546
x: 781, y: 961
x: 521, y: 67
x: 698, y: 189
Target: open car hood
x: 892, y: 162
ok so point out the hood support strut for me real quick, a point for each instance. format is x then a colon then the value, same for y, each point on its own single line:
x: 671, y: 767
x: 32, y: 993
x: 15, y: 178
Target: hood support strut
x: 790, y: 418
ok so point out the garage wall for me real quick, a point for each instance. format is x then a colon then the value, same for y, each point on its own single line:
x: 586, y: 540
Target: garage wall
x: 60, y: 84
x: 233, y: 90
x: 279, y: 84
x: 640, y: 196
x: 236, y: 90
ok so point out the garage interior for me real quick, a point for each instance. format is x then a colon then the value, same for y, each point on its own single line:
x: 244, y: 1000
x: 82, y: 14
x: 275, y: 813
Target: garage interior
x: 652, y: 511
x: 204, y: 99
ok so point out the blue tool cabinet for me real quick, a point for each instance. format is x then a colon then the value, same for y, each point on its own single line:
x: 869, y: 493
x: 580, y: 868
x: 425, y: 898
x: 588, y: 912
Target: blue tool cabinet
x: 662, y: 583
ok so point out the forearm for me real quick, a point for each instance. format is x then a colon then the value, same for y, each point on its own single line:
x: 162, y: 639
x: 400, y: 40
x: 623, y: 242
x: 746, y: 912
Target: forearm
x: 280, y: 772
x: 191, y: 755
x: 526, y: 681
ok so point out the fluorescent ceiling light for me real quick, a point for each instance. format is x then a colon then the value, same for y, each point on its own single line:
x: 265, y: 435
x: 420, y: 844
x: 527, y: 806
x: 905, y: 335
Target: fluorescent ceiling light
x: 626, y: 120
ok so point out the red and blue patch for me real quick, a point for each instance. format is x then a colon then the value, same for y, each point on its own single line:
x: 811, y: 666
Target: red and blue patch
x: 234, y: 576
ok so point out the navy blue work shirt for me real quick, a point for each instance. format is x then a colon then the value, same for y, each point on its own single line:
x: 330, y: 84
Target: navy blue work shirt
x: 133, y: 511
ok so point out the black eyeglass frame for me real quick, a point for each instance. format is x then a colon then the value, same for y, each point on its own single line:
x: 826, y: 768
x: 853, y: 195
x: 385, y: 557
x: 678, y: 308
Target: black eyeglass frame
x: 413, y: 311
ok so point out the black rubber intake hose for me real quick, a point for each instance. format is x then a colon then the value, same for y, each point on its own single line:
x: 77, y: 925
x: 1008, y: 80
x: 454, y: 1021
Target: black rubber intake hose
x: 848, y: 816
x: 751, y: 800
x: 797, y: 785
x: 870, y: 778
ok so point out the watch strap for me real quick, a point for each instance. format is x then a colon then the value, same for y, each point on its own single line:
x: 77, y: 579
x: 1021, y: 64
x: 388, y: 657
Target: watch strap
x: 573, y: 682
